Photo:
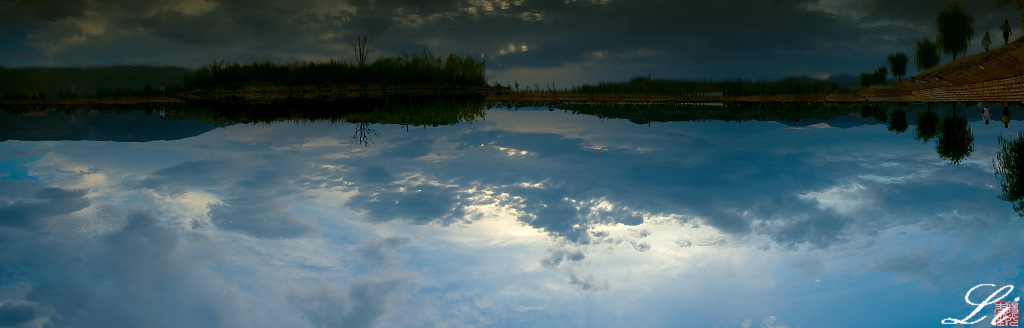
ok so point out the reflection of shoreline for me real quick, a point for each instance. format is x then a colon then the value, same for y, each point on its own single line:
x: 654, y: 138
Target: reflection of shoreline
x: 92, y: 102
x: 698, y: 98
x: 271, y: 92
x: 351, y: 93
x: 447, y: 110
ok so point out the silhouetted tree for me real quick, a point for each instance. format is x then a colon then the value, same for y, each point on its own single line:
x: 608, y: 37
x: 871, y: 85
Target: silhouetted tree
x: 956, y: 141
x: 1009, y: 167
x: 362, y: 48
x: 364, y: 135
x: 955, y: 28
x: 1020, y: 6
x: 927, y: 125
x: 898, y: 121
x: 876, y: 78
x: 898, y: 63
x: 880, y: 76
x: 926, y: 54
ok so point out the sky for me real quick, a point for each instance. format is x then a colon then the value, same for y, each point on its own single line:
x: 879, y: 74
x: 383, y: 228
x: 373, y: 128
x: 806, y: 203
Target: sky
x: 526, y: 218
x: 565, y: 42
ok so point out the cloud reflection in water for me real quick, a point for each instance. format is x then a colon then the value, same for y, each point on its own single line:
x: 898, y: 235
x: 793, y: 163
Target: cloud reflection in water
x: 588, y: 222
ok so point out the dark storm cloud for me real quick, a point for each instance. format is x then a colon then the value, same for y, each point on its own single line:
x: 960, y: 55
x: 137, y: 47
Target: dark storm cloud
x: 613, y: 39
x: 51, y: 202
x: 53, y: 10
x: 178, y: 27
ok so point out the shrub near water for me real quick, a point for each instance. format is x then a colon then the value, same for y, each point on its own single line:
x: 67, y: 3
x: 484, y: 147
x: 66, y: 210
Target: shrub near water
x: 425, y: 68
x: 1009, y: 167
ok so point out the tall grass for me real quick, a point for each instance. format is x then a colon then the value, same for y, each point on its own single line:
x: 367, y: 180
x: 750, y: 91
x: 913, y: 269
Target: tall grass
x: 424, y: 68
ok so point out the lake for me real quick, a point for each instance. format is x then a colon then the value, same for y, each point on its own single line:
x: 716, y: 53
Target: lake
x: 517, y: 217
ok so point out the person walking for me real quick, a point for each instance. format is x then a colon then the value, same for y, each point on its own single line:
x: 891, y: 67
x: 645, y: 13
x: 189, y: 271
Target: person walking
x: 1006, y: 32
x: 986, y: 41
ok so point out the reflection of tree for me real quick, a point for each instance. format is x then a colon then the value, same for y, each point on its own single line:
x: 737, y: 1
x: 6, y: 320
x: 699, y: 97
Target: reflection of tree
x: 1009, y: 167
x: 927, y: 125
x: 364, y: 135
x: 956, y: 141
x: 874, y: 111
x: 898, y: 121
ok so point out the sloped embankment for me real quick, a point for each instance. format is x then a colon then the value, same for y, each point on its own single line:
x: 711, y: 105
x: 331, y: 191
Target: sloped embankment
x: 996, y: 75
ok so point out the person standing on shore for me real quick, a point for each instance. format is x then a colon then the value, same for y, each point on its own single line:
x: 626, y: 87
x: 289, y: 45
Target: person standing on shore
x: 986, y: 41
x: 1006, y: 32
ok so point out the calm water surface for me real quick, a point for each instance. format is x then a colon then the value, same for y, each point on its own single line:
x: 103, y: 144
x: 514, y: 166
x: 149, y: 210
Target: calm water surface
x: 528, y: 218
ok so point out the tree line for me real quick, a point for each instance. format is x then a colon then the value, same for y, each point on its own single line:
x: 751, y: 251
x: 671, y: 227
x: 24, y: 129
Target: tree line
x: 38, y: 83
x: 648, y: 86
x: 425, y: 68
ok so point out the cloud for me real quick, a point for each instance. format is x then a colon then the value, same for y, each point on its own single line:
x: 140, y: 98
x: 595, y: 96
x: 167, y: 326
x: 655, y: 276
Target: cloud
x: 588, y: 283
x: 371, y: 174
x: 559, y: 255
x: 362, y: 304
x: 54, y: 202
x: 29, y: 314
x: 142, y: 245
x: 256, y: 206
x: 54, y: 10
x: 819, y: 230
x: 177, y: 179
x: 378, y: 253
x: 683, y: 39
x: 70, y: 279
x: 417, y: 204
x: 258, y: 218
